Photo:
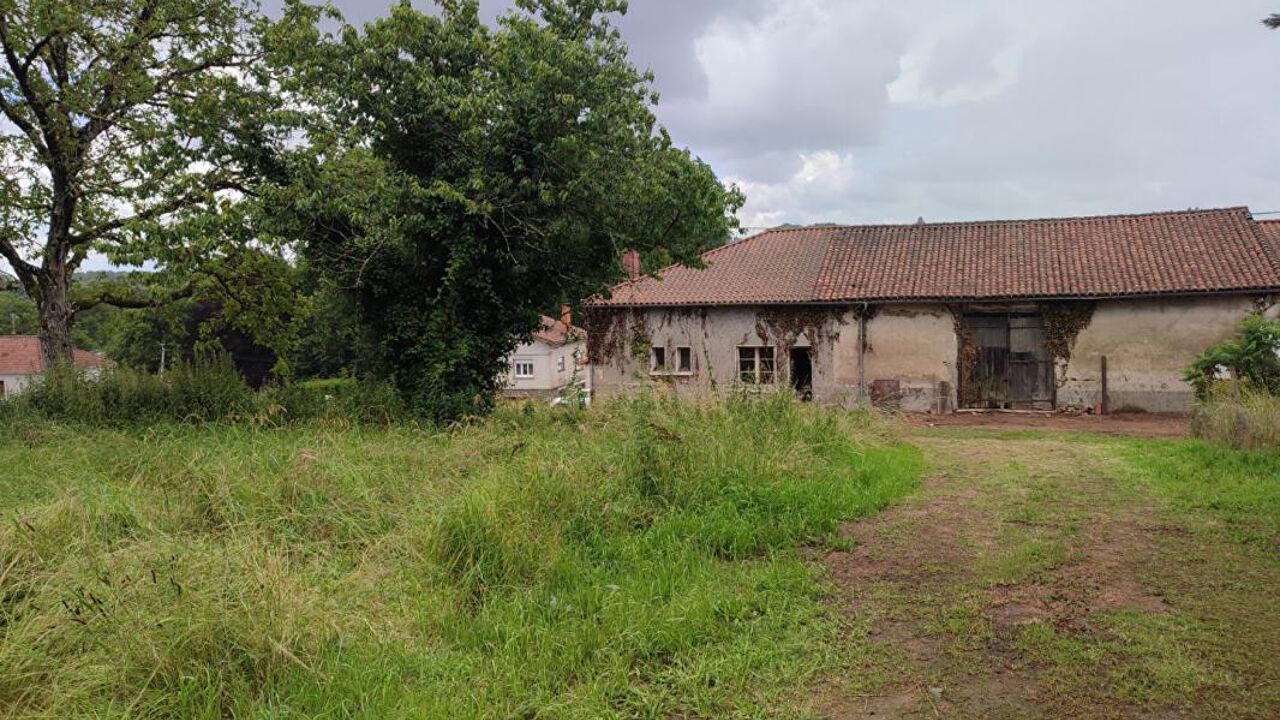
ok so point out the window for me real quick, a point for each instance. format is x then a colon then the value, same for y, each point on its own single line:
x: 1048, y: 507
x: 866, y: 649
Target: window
x: 523, y: 368
x: 560, y: 363
x: 659, y: 360
x: 684, y: 359
x: 663, y: 363
x: 755, y: 365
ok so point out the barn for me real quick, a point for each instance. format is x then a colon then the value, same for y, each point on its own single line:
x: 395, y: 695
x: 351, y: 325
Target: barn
x: 1078, y: 313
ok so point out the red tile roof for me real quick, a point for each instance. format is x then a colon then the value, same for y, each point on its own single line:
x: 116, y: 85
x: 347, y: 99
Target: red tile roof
x: 556, y: 333
x: 20, y: 355
x: 1271, y: 230
x: 1166, y: 253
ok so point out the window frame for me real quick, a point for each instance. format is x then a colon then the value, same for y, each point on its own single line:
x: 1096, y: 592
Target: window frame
x: 758, y: 376
x: 656, y: 366
x: 667, y: 369
x: 515, y: 369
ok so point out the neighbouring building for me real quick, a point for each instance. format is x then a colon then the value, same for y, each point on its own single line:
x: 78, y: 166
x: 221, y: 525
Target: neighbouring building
x: 1065, y: 313
x: 21, y: 362
x: 546, y: 366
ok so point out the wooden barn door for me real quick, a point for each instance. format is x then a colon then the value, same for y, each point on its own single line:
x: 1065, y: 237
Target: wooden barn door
x: 1011, y: 369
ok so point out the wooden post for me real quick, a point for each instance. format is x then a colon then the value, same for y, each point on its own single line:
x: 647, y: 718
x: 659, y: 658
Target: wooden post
x: 1105, y: 405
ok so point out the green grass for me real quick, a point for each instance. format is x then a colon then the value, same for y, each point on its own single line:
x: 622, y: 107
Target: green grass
x: 642, y: 559
x: 1231, y: 492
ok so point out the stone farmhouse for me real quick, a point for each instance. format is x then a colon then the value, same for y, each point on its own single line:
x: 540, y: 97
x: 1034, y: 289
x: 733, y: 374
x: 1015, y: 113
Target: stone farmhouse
x: 1088, y: 313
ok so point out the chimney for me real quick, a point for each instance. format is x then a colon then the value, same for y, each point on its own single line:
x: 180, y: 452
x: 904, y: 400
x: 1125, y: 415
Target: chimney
x: 566, y: 316
x: 631, y: 263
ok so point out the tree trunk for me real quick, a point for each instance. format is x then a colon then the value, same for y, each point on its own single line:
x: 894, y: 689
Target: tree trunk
x: 56, y: 315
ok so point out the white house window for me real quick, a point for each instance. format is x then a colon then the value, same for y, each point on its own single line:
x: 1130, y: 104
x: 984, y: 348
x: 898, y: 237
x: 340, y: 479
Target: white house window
x: 523, y: 368
x: 755, y: 365
x: 560, y: 363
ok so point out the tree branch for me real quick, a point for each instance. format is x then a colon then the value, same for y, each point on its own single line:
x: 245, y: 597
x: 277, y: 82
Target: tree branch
x: 153, y: 212
x: 23, y: 78
x: 111, y: 296
x: 26, y: 271
x: 100, y: 119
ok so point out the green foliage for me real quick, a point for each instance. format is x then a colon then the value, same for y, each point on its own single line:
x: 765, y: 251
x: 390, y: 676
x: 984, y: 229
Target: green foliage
x: 527, y: 566
x: 17, y: 314
x: 137, y: 130
x: 206, y: 390
x: 1254, y: 355
x: 331, y: 342
x: 135, y: 337
x: 209, y: 389
x: 472, y: 178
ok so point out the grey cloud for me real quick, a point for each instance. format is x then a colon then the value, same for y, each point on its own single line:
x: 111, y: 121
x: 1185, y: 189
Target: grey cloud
x: 965, y: 58
x: 1107, y: 107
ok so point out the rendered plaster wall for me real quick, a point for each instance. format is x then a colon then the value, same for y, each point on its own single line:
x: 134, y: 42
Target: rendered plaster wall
x: 910, y: 358
x: 622, y: 347
x: 912, y: 346
x: 1147, y: 343
x: 912, y: 350
x: 14, y: 384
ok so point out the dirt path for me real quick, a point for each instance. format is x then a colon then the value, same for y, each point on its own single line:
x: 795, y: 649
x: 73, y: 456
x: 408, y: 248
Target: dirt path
x: 1149, y: 425
x: 1035, y: 577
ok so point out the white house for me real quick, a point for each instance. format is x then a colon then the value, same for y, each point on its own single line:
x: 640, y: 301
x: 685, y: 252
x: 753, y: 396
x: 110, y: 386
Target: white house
x: 21, y: 362
x: 550, y: 363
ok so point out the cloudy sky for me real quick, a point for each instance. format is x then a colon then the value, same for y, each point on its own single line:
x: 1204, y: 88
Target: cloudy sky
x: 888, y: 110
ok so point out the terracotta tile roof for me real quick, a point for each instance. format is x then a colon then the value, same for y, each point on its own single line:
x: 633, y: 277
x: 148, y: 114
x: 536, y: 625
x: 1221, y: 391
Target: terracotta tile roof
x: 556, y: 333
x: 20, y: 355
x: 1117, y: 255
x: 775, y: 266
x: 1271, y: 231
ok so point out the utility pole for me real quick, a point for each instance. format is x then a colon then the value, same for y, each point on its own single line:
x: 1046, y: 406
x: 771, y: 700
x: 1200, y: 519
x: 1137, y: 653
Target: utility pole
x: 162, y: 349
x: 13, y: 322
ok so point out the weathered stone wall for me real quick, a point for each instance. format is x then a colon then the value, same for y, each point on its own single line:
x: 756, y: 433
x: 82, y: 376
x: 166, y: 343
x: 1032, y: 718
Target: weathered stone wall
x: 913, y: 345
x: 910, y: 358
x: 912, y: 351
x: 1147, y: 344
x: 621, y: 346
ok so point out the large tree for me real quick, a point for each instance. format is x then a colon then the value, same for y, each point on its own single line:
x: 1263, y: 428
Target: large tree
x: 476, y: 177
x: 133, y: 128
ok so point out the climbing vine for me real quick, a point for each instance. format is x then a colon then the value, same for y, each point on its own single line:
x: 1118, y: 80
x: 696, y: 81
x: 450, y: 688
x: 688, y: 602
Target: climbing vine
x: 966, y: 359
x: 787, y: 323
x: 1063, y: 322
x: 604, y: 327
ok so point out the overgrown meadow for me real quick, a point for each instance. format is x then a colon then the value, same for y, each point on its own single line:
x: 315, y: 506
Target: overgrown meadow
x: 638, y: 559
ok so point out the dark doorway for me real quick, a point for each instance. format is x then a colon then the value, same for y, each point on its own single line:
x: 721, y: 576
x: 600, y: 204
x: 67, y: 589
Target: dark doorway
x: 802, y: 372
x: 1010, y: 366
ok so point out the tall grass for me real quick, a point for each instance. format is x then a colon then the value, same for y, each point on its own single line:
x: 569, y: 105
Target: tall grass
x: 640, y: 559
x: 209, y: 389
x: 1250, y: 422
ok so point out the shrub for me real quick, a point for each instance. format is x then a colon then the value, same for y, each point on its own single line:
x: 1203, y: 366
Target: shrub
x: 205, y: 390
x: 1253, y: 356
x: 208, y: 390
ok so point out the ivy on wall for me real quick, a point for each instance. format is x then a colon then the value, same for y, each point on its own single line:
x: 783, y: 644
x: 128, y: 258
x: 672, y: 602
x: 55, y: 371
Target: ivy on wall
x: 1063, y: 322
